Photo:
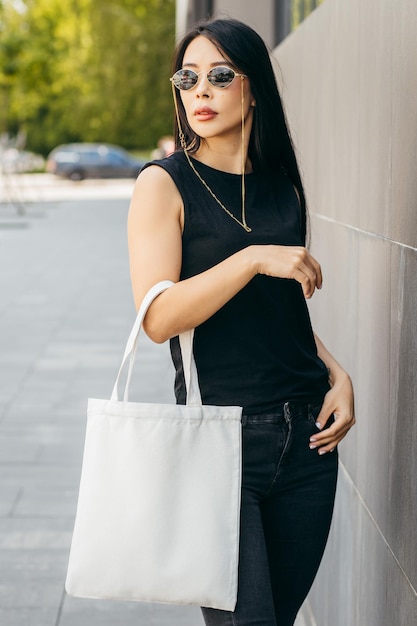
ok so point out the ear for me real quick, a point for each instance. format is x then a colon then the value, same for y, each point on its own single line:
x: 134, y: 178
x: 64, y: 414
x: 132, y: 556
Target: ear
x: 253, y: 103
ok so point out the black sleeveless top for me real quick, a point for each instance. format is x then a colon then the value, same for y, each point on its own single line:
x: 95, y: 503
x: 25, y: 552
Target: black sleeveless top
x: 258, y: 350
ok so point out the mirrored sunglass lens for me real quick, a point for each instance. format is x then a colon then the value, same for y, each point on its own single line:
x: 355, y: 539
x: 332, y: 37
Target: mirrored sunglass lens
x: 221, y: 76
x: 185, y: 79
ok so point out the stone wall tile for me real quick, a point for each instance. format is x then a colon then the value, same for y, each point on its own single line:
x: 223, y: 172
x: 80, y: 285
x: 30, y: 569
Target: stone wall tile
x: 375, y: 101
x: 404, y: 124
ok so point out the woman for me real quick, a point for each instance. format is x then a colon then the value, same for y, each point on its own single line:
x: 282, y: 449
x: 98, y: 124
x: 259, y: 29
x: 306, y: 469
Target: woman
x: 224, y: 217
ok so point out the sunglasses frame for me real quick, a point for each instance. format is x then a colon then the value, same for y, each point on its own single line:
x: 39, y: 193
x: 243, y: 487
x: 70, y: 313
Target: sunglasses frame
x: 172, y: 79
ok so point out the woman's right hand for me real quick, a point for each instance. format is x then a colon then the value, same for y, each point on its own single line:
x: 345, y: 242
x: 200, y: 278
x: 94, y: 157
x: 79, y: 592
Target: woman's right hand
x: 289, y: 262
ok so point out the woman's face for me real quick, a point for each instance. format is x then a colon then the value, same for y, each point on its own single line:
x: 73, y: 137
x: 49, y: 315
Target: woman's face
x: 213, y: 111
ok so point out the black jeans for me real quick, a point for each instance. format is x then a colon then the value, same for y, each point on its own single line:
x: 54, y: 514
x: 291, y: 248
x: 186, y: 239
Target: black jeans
x: 287, y: 503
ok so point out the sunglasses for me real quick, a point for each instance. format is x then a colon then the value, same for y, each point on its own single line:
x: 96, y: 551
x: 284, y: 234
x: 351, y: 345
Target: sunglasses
x: 218, y: 77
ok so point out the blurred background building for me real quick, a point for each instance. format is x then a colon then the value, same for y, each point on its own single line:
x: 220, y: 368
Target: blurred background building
x: 272, y: 19
x: 348, y: 78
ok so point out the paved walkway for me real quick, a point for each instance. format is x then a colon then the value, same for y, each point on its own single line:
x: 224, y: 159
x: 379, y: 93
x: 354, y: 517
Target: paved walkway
x: 65, y: 311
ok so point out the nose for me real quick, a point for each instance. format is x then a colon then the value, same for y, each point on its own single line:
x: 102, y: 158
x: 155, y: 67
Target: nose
x: 202, y: 89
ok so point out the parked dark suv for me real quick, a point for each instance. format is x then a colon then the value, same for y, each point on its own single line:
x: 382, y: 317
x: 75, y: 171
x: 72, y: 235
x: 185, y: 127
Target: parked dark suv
x: 92, y: 160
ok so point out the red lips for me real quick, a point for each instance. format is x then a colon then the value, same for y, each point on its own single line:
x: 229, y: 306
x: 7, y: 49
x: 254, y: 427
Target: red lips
x: 204, y: 113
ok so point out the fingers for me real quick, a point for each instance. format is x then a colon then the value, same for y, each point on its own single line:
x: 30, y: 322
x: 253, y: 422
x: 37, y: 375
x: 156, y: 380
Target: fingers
x: 328, y: 439
x: 307, y: 272
x: 317, y: 271
x: 307, y: 279
x: 326, y: 412
x: 289, y: 262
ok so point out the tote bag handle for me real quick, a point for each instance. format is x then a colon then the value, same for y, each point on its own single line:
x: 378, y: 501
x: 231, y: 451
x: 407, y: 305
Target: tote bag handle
x: 186, y: 343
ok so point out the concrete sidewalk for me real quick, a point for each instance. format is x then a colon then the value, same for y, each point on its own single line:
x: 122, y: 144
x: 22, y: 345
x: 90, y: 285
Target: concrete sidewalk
x: 65, y: 312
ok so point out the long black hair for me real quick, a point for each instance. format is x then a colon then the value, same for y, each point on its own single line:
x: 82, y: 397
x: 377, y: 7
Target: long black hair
x: 270, y: 144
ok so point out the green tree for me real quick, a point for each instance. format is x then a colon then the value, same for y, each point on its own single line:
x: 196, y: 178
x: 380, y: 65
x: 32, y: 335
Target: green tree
x: 133, y: 41
x: 85, y: 70
x: 11, y: 43
x: 41, y: 46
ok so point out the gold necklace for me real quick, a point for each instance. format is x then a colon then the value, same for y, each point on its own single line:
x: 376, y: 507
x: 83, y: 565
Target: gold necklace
x: 242, y: 222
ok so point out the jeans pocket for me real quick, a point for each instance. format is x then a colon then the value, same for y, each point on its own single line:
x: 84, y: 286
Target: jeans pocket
x: 313, y: 413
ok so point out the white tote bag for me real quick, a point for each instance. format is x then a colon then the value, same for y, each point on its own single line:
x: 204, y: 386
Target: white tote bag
x: 159, y: 501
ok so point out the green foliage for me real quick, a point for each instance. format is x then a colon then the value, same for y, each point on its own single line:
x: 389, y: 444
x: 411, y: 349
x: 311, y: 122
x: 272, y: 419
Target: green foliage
x: 86, y: 70
x: 300, y: 9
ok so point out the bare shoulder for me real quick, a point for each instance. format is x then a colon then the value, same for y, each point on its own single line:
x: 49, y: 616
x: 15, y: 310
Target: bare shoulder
x: 156, y: 201
x: 157, y: 180
x: 155, y: 192
x: 154, y: 173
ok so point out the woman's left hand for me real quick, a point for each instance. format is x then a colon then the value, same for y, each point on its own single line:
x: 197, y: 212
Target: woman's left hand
x: 339, y: 402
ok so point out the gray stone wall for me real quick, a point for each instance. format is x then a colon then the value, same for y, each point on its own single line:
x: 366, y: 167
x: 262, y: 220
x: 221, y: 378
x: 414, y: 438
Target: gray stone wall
x: 257, y: 14
x: 349, y: 76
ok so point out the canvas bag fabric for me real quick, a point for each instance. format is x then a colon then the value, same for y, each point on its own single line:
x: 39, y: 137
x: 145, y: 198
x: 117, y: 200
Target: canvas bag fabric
x: 159, y: 502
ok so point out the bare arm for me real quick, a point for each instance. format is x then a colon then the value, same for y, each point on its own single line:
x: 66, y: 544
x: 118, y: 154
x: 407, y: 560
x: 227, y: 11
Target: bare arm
x: 339, y: 401
x: 155, y: 244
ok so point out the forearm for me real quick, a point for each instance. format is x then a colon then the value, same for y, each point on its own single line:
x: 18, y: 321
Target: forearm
x: 191, y: 302
x: 336, y: 371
